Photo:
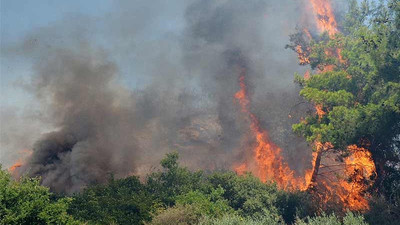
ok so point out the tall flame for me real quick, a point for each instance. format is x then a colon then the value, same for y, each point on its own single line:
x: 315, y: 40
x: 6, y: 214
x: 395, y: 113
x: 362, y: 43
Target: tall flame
x: 326, y: 22
x: 266, y: 154
x: 347, y: 182
x: 324, y: 16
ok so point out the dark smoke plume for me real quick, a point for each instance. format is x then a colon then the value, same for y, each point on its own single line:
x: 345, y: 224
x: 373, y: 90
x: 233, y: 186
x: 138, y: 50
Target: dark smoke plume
x: 183, y: 93
x: 94, y: 123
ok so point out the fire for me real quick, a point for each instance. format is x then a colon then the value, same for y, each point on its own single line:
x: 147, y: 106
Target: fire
x: 343, y: 183
x: 360, y: 167
x: 307, y: 75
x: 302, y: 55
x: 324, y: 16
x: 339, y: 55
x: 15, y: 166
x: 24, y: 154
x: 241, y: 169
x: 308, y: 175
x: 307, y: 33
x: 347, y: 183
x: 320, y: 111
x: 266, y: 154
x: 326, y: 22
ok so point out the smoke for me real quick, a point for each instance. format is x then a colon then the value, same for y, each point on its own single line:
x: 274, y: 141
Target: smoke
x: 224, y: 36
x: 91, y: 134
x: 149, y: 78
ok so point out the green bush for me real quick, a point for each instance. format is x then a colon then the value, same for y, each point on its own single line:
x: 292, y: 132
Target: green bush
x: 349, y: 219
x: 384, y: 212
x: 295, y: 204
x: 247, y: 194
x: 124, y: 201
x: 26, y: 202
x: 172, y: 181
x: 232, y: 219
x: 177, y: 215
x: 212, y: 204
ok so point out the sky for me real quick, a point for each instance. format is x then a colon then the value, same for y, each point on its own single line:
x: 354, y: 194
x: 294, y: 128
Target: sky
x: 18, y: 18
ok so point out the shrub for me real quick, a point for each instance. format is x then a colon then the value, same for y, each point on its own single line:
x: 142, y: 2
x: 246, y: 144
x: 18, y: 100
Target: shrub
x: 246, y: 194
x: 172, y: 181
x: 384, y: 212
x: 292, y: 204
x: 233, y: 219
x: 349, y: 219
x: 26, y: 202
x: 123, y: 201
x: 212, y: 204
x: 177, y: 215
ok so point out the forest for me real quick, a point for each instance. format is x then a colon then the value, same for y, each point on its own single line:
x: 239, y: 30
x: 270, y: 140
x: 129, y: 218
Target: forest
x: 353, y: 86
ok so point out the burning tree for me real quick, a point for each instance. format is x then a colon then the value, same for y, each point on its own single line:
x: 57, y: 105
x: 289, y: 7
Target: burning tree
x: 356, y: 90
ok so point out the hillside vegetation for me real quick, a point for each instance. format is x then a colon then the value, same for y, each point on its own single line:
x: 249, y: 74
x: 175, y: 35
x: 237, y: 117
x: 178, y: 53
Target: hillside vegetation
x: 360, y: 100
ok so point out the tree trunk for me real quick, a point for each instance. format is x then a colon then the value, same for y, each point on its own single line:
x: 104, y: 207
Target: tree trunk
x: 380, y: 172
x: 380, y: 163
x: 315, y: 169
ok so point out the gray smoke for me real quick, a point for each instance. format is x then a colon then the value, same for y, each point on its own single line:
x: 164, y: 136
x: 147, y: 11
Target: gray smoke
x: 93, y: 126
x: 182, y: 98
x: 224, y: 36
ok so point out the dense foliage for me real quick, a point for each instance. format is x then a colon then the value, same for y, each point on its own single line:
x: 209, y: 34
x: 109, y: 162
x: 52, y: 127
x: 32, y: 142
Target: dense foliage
x: 26, y: 202
x: 360, y: 96
x: 124, y: 201
x: 356, y: 83
x: 173, y: 195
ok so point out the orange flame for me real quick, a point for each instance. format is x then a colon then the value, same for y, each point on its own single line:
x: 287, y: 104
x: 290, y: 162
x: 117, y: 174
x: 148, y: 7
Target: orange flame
x: 307, y: 33
x: 241, y: 169
x: 20, y: 162
x: 349, y: 181
x: 302, y: 55
x: 266, y: 154
x: 15, y: 166
x: 324, y: 16
x: 307, y: 75
x: 326, y: 22
x: 347, y: 187
x: 309, y: 173
x: 339, y: 55
x: 320, y: 112
x: 360, y: 167
x: 344, y: 183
